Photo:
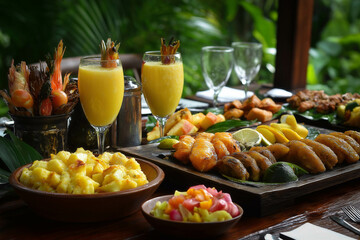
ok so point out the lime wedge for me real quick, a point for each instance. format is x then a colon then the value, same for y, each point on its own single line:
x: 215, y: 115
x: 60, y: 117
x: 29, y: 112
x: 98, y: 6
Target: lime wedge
x: 248, y: 137
x: 264, y: 141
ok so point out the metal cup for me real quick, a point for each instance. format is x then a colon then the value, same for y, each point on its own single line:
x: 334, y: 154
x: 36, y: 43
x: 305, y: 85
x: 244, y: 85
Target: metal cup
x: 126, y: 130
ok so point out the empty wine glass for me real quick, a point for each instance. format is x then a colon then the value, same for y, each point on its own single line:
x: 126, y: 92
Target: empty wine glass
x: 217, y: 63
x: 247, y: 57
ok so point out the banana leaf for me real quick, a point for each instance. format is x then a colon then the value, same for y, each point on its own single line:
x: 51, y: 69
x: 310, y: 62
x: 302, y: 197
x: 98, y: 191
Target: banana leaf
x: 15, y: 153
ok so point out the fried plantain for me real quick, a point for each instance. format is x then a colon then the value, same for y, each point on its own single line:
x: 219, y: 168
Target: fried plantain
x: 232, y: 167
x: 262, y: 161
x: 265, y: 152
x: 352, y: 142
x: 250, y: 165
x: 278, y: 150
x: 340, y: 147
x: 326, y: 155
x: 354, y: 134
x: 303, y: 155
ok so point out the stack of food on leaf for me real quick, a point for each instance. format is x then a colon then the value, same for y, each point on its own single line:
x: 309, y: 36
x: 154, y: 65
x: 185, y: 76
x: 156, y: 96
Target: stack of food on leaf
x: 40, y: 91
x: 346, y: 106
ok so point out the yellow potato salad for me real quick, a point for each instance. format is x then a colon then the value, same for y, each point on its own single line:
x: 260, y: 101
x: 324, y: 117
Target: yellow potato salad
x: 83, y: 173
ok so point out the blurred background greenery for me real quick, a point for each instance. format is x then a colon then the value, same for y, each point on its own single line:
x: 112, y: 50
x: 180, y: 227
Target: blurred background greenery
x: 31, y: 29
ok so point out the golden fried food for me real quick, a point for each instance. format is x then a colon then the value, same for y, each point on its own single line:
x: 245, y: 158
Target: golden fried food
x: 183, y: 148
x: 327, y: 156
x: 233, y: 113
x: 259, y: 114
x: 269, y: 105
x: 205, y: 135
x: 250, y: 103
x: 203, y: 156
x: 234, y: 104
x: 352, y: 142
x: 340, y: 147
x: 232, y: 167
x: 262, y: 161
x: 355, y: 135
x: 278, y: 150
x: 303, y: 155
x: 250, y: 165
x: 265, y: 152
x: 220, y: 148
x: 230, y: 143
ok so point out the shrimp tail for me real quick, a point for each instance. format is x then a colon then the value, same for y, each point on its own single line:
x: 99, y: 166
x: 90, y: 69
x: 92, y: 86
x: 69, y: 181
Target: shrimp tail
x: 55, y: 76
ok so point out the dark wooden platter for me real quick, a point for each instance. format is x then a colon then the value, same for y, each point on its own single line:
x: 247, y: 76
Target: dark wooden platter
x: 256, y: 200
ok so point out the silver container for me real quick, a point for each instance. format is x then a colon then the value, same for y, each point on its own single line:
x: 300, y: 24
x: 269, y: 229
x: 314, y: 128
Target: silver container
x: 126, y: 129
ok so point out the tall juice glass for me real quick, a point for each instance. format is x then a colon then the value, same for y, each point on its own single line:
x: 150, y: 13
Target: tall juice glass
x: 162, y: 85
x: 101, y: 92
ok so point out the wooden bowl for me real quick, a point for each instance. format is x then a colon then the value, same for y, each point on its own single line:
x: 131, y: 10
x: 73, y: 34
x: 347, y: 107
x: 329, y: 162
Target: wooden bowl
x: 186, y: 229
x: 89, y: 207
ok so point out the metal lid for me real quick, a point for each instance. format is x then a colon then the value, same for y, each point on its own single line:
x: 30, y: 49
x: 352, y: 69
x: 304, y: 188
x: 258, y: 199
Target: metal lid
x: 131, y: 84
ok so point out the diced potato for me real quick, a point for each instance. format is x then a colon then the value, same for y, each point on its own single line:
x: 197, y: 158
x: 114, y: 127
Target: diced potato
x: 63, y: 156
x: 116, y: 174
x: 78, y: 167
x: 64, y: 183
x: 25, y: 177
x: 128, y: 184
x: 118, y: 158
x: 98, y: 177
x: 132, y: 164
x: 40, y: 174
x: 56, y: 165
x: 40, y: 164
x: 54, y: 179
x: 83, y: 173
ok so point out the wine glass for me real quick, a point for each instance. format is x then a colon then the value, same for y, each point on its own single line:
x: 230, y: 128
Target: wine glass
x: 162, y: 84
x: 247, y: 57
x: 101, y: 92
x: 217, y: 63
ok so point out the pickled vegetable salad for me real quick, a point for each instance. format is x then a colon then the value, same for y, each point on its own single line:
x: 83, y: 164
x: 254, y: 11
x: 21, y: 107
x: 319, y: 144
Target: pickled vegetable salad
x: 197, y: 204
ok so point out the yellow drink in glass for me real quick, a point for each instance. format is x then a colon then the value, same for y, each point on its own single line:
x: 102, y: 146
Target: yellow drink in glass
x: 101, y: 93
x: 162, y: 86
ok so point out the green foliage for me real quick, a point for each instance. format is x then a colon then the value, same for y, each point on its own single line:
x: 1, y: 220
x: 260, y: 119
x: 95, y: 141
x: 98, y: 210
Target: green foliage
x: 138, y: 25
x: 15, y: 153
x: 335, y: 58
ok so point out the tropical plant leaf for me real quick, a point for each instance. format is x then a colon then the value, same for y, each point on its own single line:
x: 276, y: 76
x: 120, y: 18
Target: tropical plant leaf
x: 229, y: 124
x: 15, y: 153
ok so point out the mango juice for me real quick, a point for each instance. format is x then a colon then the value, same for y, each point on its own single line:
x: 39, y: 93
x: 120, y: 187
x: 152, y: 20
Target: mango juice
x: 162, y: 86
x: 101, y: 93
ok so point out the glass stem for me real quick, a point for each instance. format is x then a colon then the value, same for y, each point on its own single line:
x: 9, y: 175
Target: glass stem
x: 100, y: 134
x: 216, y: 95
x: 246, y: 87
x: 162, y: 122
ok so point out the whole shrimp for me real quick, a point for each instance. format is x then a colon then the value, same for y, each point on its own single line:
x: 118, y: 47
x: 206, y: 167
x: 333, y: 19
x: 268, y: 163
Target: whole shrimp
x: 58, y: 96
x: 18, y: 79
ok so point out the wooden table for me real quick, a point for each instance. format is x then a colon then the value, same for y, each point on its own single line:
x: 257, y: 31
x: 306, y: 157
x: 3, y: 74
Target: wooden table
x: 17, y: 221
